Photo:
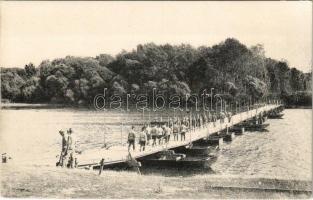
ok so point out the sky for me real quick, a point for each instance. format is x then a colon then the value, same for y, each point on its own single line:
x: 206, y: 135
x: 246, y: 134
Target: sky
x: 39, y: 30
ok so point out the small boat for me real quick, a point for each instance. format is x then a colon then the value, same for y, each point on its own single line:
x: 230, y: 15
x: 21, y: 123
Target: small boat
x: 237, y: 129
x: 212, y: 141
x: 256, y: 126
x: 250, y: 127
x: 170, y: 159
x: 275, y: 116
x: 188, y: 162
x: 197, y: 150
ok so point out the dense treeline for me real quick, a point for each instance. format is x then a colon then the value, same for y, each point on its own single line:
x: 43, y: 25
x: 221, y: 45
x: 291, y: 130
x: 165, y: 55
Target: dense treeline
x: 234, y: 70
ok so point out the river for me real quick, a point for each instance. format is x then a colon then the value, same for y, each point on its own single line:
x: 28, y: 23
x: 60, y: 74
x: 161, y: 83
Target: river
x: 30, y: 137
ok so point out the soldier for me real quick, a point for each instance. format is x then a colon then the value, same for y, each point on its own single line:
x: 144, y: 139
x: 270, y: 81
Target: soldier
x: 222, y: 116
x: 142, y: 139
x: 154, y: 134
x: 193, y: 122
x: 175, y: 131
x: 131, y: 138
x: 71, y: 144
x: 170, y: 131
x: 4, y: 158
x: 183, y: 130
x: 205, y: 119
x: 148, y: 134
x: 229, y: 116
x: 63, y: 149
x: 198, y: 121
x: 167, y: 133
x: 186, y: 121
x: 214, y: 119
x: 160, y: 134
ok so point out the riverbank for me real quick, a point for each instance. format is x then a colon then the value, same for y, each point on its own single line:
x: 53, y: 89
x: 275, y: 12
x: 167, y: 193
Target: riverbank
x: 30, y: 106
x: 297, y: 107
x: 52, y: 182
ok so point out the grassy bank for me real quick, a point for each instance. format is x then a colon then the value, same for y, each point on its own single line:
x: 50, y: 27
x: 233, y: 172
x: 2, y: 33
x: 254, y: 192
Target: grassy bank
x: 17, y: 181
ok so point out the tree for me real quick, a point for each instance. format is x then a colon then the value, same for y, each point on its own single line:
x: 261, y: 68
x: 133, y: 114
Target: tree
x: 11, y: 83
x: 283, y: 75
x: 296, y: 80
x: 56, y: 87
x: 104, y: 59
x: 30, y: 70
x: 255, y: 87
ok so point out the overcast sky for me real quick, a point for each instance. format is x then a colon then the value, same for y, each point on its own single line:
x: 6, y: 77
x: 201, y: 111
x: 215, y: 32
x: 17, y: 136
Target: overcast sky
x: 34, y: 31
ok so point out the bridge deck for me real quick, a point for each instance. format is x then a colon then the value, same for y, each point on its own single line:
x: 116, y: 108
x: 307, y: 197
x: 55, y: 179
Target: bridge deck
x: 117, y: 154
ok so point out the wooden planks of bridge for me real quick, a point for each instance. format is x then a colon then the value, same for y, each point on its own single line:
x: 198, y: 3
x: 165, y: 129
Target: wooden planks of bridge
x: 118, y: 154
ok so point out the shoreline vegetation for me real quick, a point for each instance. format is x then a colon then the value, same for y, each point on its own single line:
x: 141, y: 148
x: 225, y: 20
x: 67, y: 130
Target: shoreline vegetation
x: 236, y: 72
x: 60, y: 106
x: 15, y: 182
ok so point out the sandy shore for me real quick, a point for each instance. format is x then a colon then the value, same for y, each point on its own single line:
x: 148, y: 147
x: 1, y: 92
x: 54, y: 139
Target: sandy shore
x: 52, y: 182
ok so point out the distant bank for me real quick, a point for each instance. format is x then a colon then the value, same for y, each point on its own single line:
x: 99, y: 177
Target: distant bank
x: 297, y: 107
x: 301, y: 99
x: 30, y: 106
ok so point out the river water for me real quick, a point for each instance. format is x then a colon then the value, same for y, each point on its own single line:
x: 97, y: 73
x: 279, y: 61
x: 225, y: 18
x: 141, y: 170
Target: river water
x: 30, y: 137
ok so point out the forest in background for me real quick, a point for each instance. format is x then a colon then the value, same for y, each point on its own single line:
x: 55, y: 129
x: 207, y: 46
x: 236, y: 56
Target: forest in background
x: 237, y: 72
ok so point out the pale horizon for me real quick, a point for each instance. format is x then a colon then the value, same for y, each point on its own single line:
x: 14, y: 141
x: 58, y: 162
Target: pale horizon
x: 36, y: 31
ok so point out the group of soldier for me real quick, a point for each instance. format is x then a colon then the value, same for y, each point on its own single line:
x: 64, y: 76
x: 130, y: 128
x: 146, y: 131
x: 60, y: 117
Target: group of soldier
x: 160, y: 133
x: 154, y: 134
